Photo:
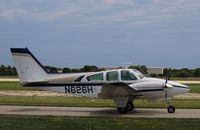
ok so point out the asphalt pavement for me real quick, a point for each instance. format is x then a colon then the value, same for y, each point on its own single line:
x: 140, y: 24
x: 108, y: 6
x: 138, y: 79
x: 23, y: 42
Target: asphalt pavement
x: 97, y: 112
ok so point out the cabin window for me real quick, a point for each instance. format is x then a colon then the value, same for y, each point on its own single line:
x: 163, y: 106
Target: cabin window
x: 95, y: 77
x: 127, y: 75
x: 112, y: 76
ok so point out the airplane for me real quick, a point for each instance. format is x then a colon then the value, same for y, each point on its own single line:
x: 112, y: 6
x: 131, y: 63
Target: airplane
x: 123, y: 86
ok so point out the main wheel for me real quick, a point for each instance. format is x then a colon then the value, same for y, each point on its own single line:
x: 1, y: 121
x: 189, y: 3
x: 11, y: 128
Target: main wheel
x: 129, y: 106
x: 171, y: 109
x: 121, y: 110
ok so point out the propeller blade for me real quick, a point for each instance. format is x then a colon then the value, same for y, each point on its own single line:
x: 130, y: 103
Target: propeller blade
x: 168, y: 86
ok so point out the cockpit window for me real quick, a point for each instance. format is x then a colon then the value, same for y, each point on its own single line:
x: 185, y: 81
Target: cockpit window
x: 95, y: 77
x: 139, y: 74
x: 127, y: 75
x: 112, y: 76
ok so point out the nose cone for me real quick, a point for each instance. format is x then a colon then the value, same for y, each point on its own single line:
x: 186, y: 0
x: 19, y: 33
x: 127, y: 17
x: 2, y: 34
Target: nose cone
x: 179, y: 88
x: 184, y: 88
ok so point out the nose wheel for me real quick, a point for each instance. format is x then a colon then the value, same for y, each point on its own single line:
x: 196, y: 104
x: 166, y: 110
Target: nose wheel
x: 170, y: 108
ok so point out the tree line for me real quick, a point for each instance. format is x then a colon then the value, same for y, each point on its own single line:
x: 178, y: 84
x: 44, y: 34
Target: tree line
x: 169, y: 72
x: 7, y: 71
x: 86, y: 68
x: 183, y: 73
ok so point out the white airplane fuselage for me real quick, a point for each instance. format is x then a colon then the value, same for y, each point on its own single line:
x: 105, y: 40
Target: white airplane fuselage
x: 149, y: 88
x: 121, y: 85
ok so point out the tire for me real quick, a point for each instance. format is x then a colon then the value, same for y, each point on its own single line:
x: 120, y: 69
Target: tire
x: 121, y: 110
x: 171, y: 109
x: 129, y: 106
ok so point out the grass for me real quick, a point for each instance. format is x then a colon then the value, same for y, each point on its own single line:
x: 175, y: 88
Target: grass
x: 194, y: 88
x: 12, y: 86
x: 9, y: 122
x: 54, y: 101
x: 86, y: 102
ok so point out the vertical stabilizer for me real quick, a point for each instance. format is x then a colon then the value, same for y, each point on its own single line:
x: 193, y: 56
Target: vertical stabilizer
x: 29, y: 69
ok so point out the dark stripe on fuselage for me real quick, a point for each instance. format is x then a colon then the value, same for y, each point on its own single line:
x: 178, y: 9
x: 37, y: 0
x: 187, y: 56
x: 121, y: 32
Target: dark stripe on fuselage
x: 46, y: 84
x: 180, y: 87
x: 61, y: 84
x: 149, y: 90
x: 79, y: 79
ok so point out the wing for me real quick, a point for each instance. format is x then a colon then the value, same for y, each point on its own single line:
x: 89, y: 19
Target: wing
x: 110, y: 90
x: 124, y: 90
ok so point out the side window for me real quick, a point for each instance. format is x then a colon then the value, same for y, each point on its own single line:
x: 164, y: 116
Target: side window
x: 112, y: 76
x: 126, y: 75
x: 95, y: 77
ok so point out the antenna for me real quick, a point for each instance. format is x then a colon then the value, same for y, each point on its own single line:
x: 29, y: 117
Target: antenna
x: 125, y: 64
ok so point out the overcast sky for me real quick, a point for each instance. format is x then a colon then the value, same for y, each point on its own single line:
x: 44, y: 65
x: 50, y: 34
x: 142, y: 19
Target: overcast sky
x: 73, y: 33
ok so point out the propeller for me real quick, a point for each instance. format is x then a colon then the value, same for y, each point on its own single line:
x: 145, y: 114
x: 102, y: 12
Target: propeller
x: 166, y: 88
x: 166, y: 85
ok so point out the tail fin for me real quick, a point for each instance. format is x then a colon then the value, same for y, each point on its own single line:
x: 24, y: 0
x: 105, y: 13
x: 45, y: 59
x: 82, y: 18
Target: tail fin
x: 29, y: 69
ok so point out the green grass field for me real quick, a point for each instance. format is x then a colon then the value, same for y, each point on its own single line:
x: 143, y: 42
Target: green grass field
x: 8, y: 122
x: 81, y: 102
x: 12, y: 86
x: 194, y: 88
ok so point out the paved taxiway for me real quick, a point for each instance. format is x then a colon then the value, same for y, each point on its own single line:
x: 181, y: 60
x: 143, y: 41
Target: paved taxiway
x: 98, y: 112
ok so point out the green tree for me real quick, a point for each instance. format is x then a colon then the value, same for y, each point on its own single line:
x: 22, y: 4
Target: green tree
x: 2, y: 70
x: 88, y: 68
x: 66, y: 70
x: 7, y: 71
x: 196, y: 72
x: 75, y: 70
x: 184, y: 73
x: 51, y: 69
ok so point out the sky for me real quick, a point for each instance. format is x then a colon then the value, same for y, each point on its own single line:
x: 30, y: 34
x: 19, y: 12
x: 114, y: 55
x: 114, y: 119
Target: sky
x: 74, y: 33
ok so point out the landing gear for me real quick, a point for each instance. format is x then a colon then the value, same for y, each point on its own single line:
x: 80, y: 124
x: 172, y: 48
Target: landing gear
x: 170, y: 108
x: 129, y: 106
x: 123, y: 110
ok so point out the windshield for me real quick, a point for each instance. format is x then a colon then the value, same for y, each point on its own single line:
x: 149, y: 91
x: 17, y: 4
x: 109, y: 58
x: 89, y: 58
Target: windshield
x: 127, y: 75
x: 139, y: 74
